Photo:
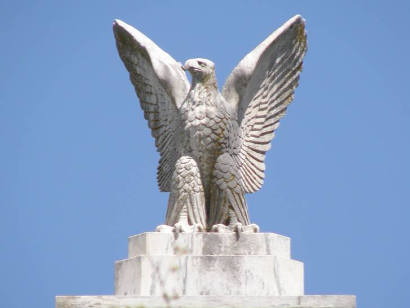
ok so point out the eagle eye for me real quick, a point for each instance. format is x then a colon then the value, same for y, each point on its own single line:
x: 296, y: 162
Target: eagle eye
x: 201, y: 63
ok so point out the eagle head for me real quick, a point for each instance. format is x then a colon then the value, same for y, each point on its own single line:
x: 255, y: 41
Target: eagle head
x: 201, y: 70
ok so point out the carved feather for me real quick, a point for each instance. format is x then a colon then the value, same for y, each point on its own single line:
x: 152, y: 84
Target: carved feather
x: 227, y: 194
x: 258, y: 92
x: 161, y: 86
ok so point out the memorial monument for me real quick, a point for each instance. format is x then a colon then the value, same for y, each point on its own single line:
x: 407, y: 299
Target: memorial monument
x: 212, y: 148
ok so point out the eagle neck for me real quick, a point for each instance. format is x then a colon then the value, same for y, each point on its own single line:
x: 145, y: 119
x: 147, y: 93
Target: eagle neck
x: 202, y: 93
x: 209, y: 82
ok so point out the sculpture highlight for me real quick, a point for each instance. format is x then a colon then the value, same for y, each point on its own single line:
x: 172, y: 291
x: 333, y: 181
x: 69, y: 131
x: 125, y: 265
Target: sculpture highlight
x: 212, y: 145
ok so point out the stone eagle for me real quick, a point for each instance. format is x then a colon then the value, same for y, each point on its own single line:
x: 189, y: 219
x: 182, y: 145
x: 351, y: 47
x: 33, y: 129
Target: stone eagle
x: 212, y: 145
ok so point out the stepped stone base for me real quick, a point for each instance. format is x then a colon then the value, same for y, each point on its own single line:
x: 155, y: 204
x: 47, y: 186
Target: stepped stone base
x: 195, y: 264
x: 307, y: 301
x: 194, y: 270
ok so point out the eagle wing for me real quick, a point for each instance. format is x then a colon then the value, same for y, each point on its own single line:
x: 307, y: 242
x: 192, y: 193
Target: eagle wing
x: 258, y: 92
x: 161, y: 86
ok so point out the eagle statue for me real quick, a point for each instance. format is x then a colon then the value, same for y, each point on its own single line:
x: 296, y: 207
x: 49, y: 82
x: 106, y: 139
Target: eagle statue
x: 212, y: 144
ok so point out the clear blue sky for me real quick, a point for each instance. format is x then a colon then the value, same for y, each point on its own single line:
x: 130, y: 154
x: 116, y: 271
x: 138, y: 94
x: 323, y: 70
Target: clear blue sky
x: 77, y: 162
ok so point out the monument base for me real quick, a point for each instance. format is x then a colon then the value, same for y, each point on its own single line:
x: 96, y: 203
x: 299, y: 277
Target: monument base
x: 208, y: 270
x: 203, y: 263
x: 306, y: 301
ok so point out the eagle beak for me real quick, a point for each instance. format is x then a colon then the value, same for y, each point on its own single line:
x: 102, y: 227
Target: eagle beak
x: 188, y: 65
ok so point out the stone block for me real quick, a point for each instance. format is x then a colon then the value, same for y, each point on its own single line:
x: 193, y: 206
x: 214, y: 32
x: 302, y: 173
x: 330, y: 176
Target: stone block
x: 216, y: 264
x: 203, y: 243
x: 248, y: 275
x: 307, y: 301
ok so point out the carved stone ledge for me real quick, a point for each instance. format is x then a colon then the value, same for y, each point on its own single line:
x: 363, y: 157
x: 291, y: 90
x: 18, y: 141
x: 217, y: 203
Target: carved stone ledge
x: 307, y: 301
x: 208, y: 243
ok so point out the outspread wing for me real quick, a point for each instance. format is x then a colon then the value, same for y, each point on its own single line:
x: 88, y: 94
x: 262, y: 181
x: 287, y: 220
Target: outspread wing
x: 161, y: 86
x: 259, y: 90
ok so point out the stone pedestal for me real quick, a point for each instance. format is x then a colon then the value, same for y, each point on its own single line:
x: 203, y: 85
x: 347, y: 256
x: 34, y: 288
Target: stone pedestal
x: 194, y: 264
x: 208, y: 270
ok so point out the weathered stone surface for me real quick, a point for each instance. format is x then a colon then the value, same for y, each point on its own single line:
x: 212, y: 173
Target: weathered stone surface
x: 201, y: 263
x: 209, y: 275
x: 307, y: 301
x: 205, y: 243
x: 208, y: 270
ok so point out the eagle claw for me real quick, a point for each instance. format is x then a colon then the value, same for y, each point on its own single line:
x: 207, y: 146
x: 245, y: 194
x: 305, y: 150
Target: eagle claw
x: 237, y: 228
x: 180, y: 228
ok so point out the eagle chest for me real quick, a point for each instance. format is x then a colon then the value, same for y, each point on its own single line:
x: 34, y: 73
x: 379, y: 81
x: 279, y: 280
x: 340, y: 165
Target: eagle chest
x: 204, y: 129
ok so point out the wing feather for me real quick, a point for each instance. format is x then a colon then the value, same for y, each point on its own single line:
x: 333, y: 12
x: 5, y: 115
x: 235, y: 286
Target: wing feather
x: 161, y: 86
x: 259, y: 91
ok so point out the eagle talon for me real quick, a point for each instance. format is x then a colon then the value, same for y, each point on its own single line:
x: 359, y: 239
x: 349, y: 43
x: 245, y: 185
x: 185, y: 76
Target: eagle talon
x: 198, y: 228
x: 164, y: 229
x: 220, y: 228
x: 182, y: 227
x: 252, y: 228
x: 238, y: 227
